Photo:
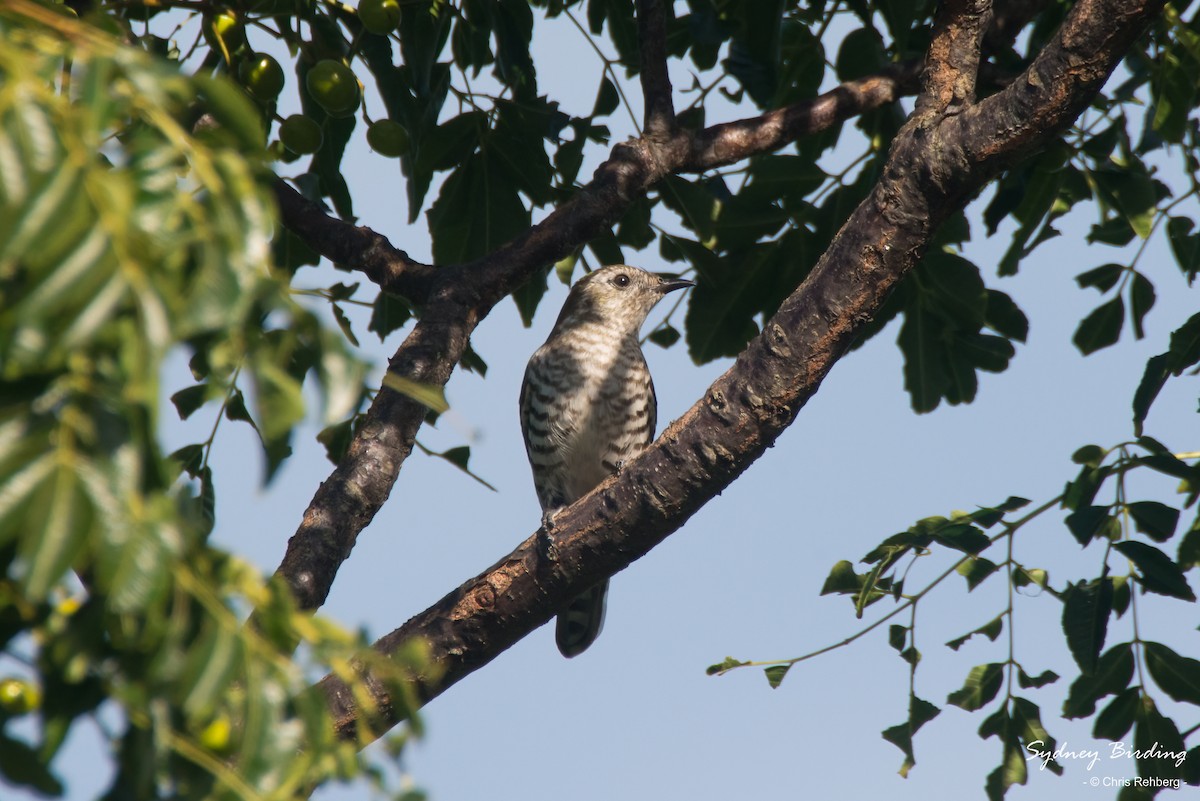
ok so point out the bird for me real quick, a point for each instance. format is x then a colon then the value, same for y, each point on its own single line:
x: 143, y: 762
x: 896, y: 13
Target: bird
x: 587, y: 406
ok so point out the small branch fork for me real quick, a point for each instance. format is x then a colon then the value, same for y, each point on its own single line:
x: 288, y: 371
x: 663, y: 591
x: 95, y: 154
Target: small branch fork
x: 941, y: 158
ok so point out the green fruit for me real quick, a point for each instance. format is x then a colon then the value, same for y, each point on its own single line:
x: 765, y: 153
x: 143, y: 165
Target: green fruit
x: 224, y: 31
x: 19, y: 697
x: 379, y: 16
x: 388, y: 138
x: 217, y: 735
x: 334, y: 87
x: 300, y: 134
x: 262, y: 76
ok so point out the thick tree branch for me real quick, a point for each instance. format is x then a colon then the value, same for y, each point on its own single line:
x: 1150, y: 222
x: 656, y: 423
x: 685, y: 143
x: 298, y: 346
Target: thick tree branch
x: 935, y: 166
x: 354, y: 246
x: 952, y: 63
x: 462, y: 295
x: 656, y: 83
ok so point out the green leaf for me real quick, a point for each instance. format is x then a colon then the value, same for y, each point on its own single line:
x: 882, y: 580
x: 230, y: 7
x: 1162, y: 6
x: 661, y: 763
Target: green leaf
x: 388, y: 314
x: 1101, y: 328
x: 920, y: 712
x: 429, y: 395
x: 980, y: 687
x: 1112, y: 674
x: 1178, y: 676
x: 1185, y: 345
x: 529, y: 294
x: 190, y: 459
x: 1041, y: 680
x: 1158, y: 572
x: 1104, y: 277
x: 665, y: 335
x: 976, y: 570
x: 1004, y: 316
x: 775, y: 674
x: 1156, y: 740
x: 925, y: 375
x: 1184, y: 245
x: 729, y: 663
x: 1086, y: 608
x: 233, y: 111
x: 1156, y: 520
x: 190, y: 399
x: 1141, y: 300
x: 991, y: 630
x: 460, y: 234
x: 1092, y: 522
x: 841, y: 579
x: 1116, y: 719
x: 22, y: 766
x: 336, y: 439
x: 1090, y: 455
x: 1012, y: 770
x: 58, y: 522
x: 967, y: 539
x: 897, y: 636
x: 459, y: 457
x: 1189, y: 547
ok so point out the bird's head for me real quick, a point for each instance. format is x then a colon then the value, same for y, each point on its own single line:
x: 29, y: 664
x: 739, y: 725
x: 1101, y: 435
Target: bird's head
x: 617, y: 296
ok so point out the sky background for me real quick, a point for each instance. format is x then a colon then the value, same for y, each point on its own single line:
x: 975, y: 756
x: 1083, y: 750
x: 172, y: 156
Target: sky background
x: 636, y: 716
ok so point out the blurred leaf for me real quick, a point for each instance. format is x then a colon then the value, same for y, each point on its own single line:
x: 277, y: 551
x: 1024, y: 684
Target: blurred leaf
x: 426, y: 394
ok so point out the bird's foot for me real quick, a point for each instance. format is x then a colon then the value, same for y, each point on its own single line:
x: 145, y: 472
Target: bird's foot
x: 547, y: 549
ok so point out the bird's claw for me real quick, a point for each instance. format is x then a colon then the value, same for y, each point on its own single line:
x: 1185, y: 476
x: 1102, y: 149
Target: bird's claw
x: 546, y: 546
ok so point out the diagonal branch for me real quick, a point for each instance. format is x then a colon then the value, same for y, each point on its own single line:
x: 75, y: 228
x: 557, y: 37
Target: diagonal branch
x: 933, y: 169
x: 952, y: 62
x: 656, y: 83
x: 359, y: 247
x: 462, y: 296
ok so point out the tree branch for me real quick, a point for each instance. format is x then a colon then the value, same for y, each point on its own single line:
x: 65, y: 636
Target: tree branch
x: 934, y: 167
x: 952, y: 62
x: 463, y: 295
x: 354, y: 246
x: 656, y: 83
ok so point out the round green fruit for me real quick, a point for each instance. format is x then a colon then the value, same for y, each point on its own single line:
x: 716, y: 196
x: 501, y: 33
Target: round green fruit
x: 224, y: 28
x: 262, y: 76
x: 334, y: 87
x: 388, y: 138
x: 18, y: 697
x: 379, y: 16
x: 300, y: 134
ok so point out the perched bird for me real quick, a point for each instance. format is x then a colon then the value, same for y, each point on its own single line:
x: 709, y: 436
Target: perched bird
x: 588, y: 406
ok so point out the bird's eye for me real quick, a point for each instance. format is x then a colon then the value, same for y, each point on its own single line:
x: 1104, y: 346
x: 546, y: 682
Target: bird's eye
x: 621, y: 281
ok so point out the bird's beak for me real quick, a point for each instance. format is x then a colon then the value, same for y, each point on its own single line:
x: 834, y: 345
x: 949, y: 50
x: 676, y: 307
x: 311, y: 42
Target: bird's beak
x: 666, y: 285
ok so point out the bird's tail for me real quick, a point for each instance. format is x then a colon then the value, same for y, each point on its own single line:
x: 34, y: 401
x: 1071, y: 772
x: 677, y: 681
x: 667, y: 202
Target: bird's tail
x: 580, y: 622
